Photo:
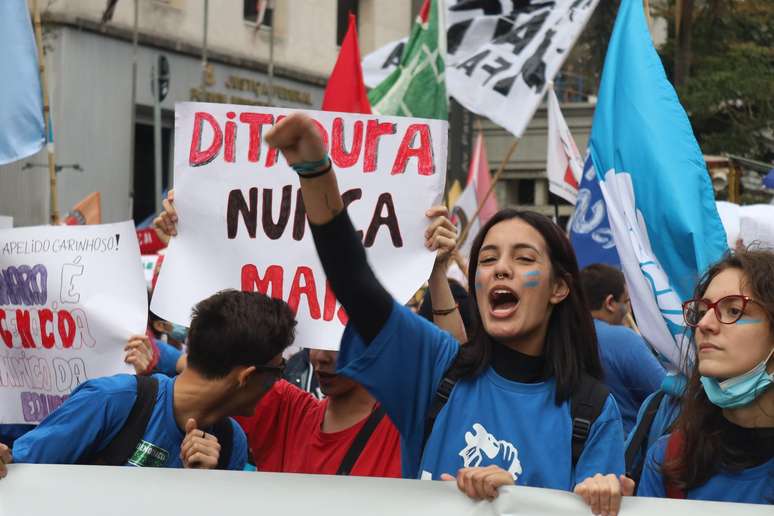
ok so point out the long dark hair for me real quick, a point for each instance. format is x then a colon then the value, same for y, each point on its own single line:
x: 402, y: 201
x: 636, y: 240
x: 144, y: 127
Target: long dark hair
x: 705, y: 451
x: 571, y: 342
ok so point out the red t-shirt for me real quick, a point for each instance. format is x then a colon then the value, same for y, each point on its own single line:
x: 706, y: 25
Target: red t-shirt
x: 285, y: 436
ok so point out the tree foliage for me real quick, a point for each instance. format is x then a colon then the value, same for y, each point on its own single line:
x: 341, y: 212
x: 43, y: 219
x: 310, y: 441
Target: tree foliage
x: 729, y: 84
x: 728, y: 69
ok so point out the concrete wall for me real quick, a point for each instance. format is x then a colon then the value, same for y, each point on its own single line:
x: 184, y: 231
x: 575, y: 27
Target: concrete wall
x: 529, y: 160
x: 305, y: 30
x: 90, y: 90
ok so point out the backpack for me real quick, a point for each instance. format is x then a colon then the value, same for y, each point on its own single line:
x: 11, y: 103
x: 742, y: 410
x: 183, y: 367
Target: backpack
x: 585, y: 407
x: 634, y: 464
x: 673, y: 450
x: 120, y: 449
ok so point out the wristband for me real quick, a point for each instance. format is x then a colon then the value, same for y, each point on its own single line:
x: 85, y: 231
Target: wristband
x: 446, y: 311
x: 312, y: 175
x: 305, y: 168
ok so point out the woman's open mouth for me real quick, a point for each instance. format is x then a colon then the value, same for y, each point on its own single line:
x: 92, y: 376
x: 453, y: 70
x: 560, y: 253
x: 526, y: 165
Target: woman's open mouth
x: 503, y: 302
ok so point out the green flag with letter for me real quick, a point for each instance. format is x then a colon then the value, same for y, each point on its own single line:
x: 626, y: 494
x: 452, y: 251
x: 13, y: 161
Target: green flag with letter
x: 417, y: 88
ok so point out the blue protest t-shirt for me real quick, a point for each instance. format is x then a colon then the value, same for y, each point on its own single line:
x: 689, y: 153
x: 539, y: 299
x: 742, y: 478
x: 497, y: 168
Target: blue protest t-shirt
x: 632, y: 372
x: 487, y: 420
x: 93, y: 415
x: 168, y: 357
x: 753, y: 485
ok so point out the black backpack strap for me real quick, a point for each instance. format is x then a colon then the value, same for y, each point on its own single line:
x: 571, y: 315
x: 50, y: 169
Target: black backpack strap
x: 633, y: 466
x: 441, y: 396
x: 224, y: 432
x: 120, y: 449
x: 361, y: 439
x: 439, y: 400
x: 585, y: 407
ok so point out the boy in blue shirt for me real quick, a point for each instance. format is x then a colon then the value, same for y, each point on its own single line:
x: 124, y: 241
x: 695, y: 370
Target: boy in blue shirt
x: 234, y: 356
x: 632, y: 371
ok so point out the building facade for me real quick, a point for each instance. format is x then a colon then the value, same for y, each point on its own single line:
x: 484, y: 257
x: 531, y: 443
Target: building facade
x: 104, y: 139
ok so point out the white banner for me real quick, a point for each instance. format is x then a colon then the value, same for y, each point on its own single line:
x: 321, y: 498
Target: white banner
x: 564, y: 163
x: 70, y: 491
x: 242, y: 224
x: 70, y: 297
x: 499, y: 57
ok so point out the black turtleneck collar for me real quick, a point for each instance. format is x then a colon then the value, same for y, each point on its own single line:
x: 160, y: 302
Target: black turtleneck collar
x: 754, y: 444
x: 516, y: 366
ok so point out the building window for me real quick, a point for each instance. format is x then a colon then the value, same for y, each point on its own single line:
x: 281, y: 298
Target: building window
x: 342, y: 17
x: 260, y: 12
x: 525, y: 195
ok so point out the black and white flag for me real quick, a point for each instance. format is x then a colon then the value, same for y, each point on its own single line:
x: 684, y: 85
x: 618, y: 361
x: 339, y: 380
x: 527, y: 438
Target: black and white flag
x: 501, y: 54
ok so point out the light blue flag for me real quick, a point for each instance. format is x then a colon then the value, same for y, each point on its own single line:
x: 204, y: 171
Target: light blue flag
x: 655, y: 184
x: 22, y: 131
x: 590, y: 232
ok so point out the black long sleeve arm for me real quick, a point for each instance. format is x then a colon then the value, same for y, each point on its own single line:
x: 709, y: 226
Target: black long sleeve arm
x: 341, y: 252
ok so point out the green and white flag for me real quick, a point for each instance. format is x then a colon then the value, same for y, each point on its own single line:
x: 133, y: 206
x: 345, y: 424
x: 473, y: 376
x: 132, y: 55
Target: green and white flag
x: 417, y: 87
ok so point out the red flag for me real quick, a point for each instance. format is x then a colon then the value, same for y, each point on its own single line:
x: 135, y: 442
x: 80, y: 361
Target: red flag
x: 345, y: 90
x: 479, y: 175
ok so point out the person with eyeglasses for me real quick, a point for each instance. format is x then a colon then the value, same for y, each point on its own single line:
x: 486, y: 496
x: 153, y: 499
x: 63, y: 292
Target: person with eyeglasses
x: 235, y: 346
x: 722, y: 445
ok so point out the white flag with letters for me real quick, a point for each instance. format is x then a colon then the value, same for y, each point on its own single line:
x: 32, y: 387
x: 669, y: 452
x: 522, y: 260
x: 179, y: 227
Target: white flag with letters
x: 500, y: 55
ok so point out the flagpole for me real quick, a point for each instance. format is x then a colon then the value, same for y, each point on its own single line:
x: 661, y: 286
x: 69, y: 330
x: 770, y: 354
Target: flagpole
x: 647, y: 12
x: 54, y: 208
x: 133, y: 108
x: 204, y: 49
x: 495, y: 179
x: 271, y: 56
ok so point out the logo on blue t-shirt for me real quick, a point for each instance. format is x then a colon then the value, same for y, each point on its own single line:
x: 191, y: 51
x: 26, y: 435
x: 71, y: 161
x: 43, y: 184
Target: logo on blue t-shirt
x: 148, y: 455
x: 484, y: 449
x: 481, y: 444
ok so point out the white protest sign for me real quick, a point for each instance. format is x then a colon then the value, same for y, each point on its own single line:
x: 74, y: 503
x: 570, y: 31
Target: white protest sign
x: 730, y: 217
x: 70, y: 492
x: 756, y: 225
x: 242, y: 224
x: 70, y: 296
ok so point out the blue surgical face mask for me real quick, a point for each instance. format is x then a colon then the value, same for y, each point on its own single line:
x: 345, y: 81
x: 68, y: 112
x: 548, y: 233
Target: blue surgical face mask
x: 178, y: 332
x: 740, y: 390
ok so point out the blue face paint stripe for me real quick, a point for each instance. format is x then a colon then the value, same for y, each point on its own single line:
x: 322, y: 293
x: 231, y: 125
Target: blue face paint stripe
x: 535, y: 281
x: 749, y: 321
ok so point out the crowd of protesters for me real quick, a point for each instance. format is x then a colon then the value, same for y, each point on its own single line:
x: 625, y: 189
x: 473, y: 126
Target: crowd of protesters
x: 534, y: 374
